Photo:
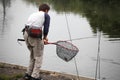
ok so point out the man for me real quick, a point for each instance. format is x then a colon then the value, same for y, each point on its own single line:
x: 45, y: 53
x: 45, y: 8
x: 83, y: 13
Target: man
x: 37, y: 23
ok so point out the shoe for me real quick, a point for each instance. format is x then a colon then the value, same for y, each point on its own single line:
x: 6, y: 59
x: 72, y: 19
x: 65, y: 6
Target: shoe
x: 27, y: 77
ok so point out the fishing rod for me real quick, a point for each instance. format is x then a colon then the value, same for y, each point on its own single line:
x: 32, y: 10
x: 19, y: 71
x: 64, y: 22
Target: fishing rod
x: 64, y: 40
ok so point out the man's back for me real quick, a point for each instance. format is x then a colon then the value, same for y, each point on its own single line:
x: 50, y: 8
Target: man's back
x: 36, y: 19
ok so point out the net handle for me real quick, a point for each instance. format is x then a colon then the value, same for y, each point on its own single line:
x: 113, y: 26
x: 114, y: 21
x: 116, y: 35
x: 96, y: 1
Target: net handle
x: 55, y: 43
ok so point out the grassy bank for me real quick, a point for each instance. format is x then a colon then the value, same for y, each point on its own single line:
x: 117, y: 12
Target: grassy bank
x: 10, y: 77
x: 10, y: 72
x: 14, y: 72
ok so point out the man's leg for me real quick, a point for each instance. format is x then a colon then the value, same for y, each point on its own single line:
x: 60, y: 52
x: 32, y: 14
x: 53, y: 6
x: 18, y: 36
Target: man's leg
x: 29, y: 71
x: 37, y: 66
x: 38, y: 56
x: 31, y: 64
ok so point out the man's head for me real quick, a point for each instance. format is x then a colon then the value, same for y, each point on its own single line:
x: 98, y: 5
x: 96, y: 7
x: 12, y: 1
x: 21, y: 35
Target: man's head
x: 44, y: 7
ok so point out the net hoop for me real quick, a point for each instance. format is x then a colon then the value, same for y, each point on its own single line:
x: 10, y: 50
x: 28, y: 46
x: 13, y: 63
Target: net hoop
x: 75, y: 48
x: 66, y: 50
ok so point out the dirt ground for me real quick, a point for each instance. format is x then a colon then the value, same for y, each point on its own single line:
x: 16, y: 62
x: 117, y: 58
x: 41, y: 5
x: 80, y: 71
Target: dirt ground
x: 10, y: 70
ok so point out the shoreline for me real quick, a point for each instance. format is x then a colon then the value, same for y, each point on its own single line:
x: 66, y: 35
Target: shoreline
x: 10, y: 69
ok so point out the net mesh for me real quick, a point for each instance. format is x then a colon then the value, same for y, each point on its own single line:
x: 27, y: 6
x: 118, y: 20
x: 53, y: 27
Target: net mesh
x: 66, y: 50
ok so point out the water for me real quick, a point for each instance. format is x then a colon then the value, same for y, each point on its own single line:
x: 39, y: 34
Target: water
x: 12, y: 20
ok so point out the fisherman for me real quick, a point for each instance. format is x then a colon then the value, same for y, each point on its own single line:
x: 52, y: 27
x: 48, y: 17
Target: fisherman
x: 35, y: 35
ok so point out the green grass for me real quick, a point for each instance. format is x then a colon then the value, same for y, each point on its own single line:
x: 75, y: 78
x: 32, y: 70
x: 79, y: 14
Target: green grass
x: 10, y: 77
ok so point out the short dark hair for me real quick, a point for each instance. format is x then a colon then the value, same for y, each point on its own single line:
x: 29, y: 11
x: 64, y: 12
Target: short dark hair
x: 44, y: 7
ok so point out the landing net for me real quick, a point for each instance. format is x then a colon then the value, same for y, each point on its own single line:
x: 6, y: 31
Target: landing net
x: 66, y: 50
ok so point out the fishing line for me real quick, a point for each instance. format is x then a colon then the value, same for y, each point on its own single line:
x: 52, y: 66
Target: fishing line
x: 71, y: 41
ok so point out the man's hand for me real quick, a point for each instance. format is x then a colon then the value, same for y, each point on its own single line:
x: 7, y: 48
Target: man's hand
x: 45, y: 41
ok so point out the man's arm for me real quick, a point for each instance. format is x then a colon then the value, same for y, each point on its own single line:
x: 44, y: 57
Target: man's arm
x: 46, y: 26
